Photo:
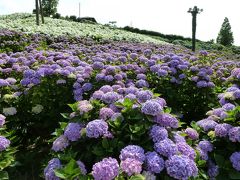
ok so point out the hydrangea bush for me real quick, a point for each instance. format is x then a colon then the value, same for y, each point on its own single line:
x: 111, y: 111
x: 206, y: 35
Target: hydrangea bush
x: 87, y: 109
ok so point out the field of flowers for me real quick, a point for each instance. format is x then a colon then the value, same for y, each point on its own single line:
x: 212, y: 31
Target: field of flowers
x: 76, y: 107
x: 57, y: 27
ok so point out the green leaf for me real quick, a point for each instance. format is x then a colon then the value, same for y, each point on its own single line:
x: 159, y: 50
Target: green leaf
x: 65, y: 115
x: 60, y: 173
x: 234, y: 174
x: 105, y: 143
x: 74, y: 106
x: 70, y: 166
x: 4, y: 175
x: 137, y: 177
x: 219, y: 160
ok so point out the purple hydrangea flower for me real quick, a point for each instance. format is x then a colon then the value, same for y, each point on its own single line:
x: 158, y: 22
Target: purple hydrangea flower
x: 166, y: 120
x: 234, y: 134
x: 49, y: 170
x: 228, y: 106
x: 97, y: 95
x: 151, y: 107
x: 96, y: 128
x: 158, y: 133
x: 205, y: 146
x: 192, y: 133
x: 133, y: 152
x: 201, y: 84
x: 141, y: 76
x: 106, y: 88
x: 143, y: 96
x: 82, y: 167
x: 213, y: 169
x: 235, y: 160
x: 107, y: 169
x: 154, y: 163
x: 105, y: 113
x: 110, y: 97
x: 2, y: 120
x: 178, y: 138
x: 166, y: 147
x: 131, y: 166
x: 4, y: 143
x: 142, y: 83
x: 186, y: 150
x: 73, y: 131
x: 60, y: 143
x: 207, y: 124
x: 84, y: 106
x: 181, y: 167
x: 87, y: 87
x: 222, y: 130
x: 3, y: 83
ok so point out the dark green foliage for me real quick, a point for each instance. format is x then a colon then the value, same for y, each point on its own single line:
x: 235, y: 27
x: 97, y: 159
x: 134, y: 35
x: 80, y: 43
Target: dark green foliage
x: 225, y: 36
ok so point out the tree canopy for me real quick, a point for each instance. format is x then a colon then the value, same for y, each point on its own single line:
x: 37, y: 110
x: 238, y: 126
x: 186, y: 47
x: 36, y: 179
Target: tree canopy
x: 49, y: 7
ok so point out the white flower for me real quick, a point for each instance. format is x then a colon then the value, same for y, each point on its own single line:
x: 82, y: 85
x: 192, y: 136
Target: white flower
x: 9, y: 111
x: 37, y: 109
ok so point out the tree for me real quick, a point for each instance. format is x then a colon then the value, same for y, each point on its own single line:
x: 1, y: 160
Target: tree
x: 49, y: 7
x: 225, y: 36
x: 37, y: 12
x: 41, y: 11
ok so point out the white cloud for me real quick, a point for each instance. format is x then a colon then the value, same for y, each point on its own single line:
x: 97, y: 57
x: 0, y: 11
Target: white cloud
x: 165, y: 16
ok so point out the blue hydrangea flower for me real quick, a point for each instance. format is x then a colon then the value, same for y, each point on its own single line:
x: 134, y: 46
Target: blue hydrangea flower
x: 133, y: 152
x: 207, y: 124
x: 158, y: 133
x: 151, y: 107
x: 154, y: 163
x: 235, y: 160
x: 131, y: 166
x: 105, y: 113
x: 2, y: 120
x: 107, y: 169
x: 213, y: 169
x: 73, y: 131
x: 228, y: 106
x: 205, y: 146
x: 60, y: 143
x: 97, y: 95
x: 143, y: 96
x: 186, y: 150
x: 82, y: 167
x: 106, y: 88
x: 166, y: 147
x: 166, y: 120
x: 96, y: 128
x: 181, y: 167
x: 87, y: 87
x: 4, y: 143
x: 192, y: 133
x: 49, y: 170
x: 222, y: 130
x: 110, y: 97
x: 234, y: 134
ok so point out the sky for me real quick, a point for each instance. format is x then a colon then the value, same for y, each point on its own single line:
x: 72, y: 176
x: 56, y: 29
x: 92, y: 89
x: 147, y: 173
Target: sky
x: 165, y: 16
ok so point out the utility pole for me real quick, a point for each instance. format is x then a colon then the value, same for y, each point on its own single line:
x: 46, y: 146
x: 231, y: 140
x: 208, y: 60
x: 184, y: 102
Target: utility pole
x: 37, y: 12
x: 194, y: 11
